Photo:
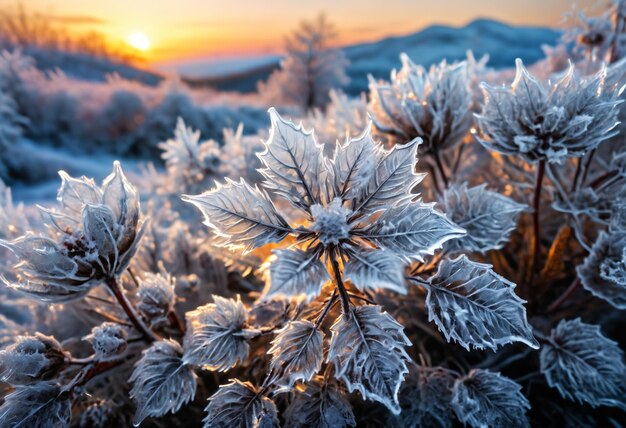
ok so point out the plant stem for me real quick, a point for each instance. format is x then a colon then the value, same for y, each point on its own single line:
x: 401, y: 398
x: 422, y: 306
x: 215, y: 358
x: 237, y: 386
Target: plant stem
x: 440, y: 167
x: 535, y: 247
x: 134, y: 318
x: 329, y: 305
x: 343, y: 294
x: 563, y: 297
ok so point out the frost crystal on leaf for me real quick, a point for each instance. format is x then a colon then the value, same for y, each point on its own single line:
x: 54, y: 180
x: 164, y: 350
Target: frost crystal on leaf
x: 320, y: 405
x: 354, y: 164
x: 549, y: 121
x: 487, y: 217
x: 425, y: 399
x: 473, y: 305
x: 393, y: 179
x: 39, y: 405
x: 296, y: 273
x: 434, y: 105
x: 240, y: 405
x: 603, y: 273
x: 294, y: 165
x: 412, y: 230
x: 487, y: 399
x: 216, y: 338
x: 162, y: 381
x: 108, y: 340
x: 376, y: 269
x: 367, y: 349
x: 241, y: 215
x: 584, y: 365
x: 32, y: 358
x: 297, y: 351
x: 92, y: 239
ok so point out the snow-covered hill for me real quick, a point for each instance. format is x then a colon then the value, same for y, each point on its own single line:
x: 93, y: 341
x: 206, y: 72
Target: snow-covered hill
x: 502, y: 42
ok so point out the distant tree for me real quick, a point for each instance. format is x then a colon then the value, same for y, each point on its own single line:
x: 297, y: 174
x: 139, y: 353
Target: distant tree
x: 311, y: 69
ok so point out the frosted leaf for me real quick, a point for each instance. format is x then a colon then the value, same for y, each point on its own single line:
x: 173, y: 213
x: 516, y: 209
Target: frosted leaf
x: 603, y: 272
x: 484, y: 398
x: 473, y: 305
x: 40, y: 405
x: 239, y: 404
x: 294, y: 165
x: 101, y: 232
x: 433, y: 104
x: 32, y: 358
x: 241, y: 215
x: 545, y: 120
x: 296, y: 273
x: 412, y: 230
x: 123, y: 200
x: 108, y: 340
x: 162, y: 381
x: 393, y: 179
x: 370, y: 270
x: 354, y: 164
x: 487, y: 217
x: 297, y: 351
x: 156, y: 297
x: 75, y: 193
x: 216, y: 337
x: 584, y: 365
x: 367, y: 349
x: 320, y: 405
x: 425, y: 399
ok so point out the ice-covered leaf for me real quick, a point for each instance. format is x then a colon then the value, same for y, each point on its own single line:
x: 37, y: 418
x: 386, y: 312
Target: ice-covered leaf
x: 75, y: 193
x: 425, y: 399
x: 216, y: 335
x: 584, y: 365
x: 241, y: 215
x: 411, y: 230
x: 239, y: 405
x: 41, y: 405
x: 367, y: 349
x: 162, y: 381
x: 376, y: 269
x: 487, y: 399
x: 296, y: 273
x: 487, y: 217
x: 354, y: 164
x: 393, y: 179
x: 294, y: 163
x: 297, y: 351
x: 473, y: 305
x: 320, y: 405
x: 603, y: 273
x: 32, y: 358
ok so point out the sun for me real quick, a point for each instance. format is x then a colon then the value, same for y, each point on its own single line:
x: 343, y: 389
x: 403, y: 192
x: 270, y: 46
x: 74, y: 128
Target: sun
x: 139, y: 41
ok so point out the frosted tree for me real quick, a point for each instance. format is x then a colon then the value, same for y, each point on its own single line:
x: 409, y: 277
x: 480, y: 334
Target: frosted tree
x: 312, y: 67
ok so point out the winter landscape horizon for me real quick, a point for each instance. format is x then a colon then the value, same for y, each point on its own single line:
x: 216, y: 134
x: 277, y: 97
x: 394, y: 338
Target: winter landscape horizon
x: 312, y: 215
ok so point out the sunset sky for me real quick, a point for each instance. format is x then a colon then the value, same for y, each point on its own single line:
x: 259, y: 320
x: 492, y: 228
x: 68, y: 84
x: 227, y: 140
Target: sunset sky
x: 179, y: 29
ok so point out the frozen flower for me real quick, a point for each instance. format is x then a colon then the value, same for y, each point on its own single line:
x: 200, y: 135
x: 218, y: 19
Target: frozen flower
x: 156, y: 297
x: 549, y: 121
x: 434, y: 105
x: 108, y: 340
x: 91, y: 239
x: 357, y: 206
x: 32, y: 358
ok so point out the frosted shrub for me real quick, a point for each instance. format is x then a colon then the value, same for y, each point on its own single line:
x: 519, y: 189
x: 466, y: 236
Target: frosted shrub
x: 344, y: 283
